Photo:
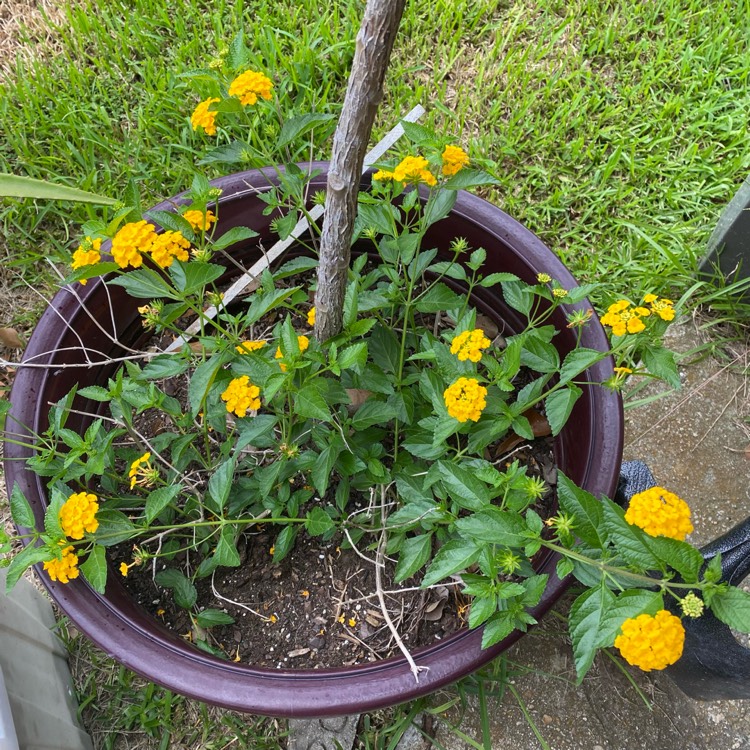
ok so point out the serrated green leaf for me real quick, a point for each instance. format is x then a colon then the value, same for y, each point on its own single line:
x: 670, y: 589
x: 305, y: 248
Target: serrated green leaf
x: 453, y: 557
x: 415, y: 552
x: 284, y: 542
x: 294, y: 127
x: 714, y: 572
x: 191, y: 277
x: 173, y: 222
x: 165, y: 366
x: 185, y: 593
x: 22, y: 561
x: 257, y: 431
x: 438, y: 298
x: 681, y: 556
x: 497, y: 278
x: 232, y: 237
x: 496, y: 526
x: 450, y: 269
x: 94, y: 568
x: 52, y: 515
x: 629, y: 603
x: 202, y: 379
x: 309, y: 402
x: 469, y: 178
x: 210, y: 618
x: 577, y: 362
x: 499, y: 626
x: 114, y: 527
x: 539, y: 355
x: 373, y: 412
x: 20, y: 510
x: 564, y: 567
x: 144, y: 284
x: 226, y: 550
x: 318, y: 522
x: 439, y: 206
x: 95, y: 393
x: 159, y: 499
x: 354, y: 356
x: 558, y: 406
x: 584, y: 507
x: 482, y: 608
x: 463, y: 486
x: 628, y: 540
x: 220, y: 485
x: 733, y: 608
x: 661, y: 362
x: 585, y: 623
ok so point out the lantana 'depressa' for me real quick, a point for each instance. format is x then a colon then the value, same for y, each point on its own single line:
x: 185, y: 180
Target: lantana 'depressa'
x: 241, y: 396
x: 142, y: 472
x: 201, y: 221
x: 78, y: 515
x: 651, y: 641
x: 465, y: 399
x: 469, y: 345
x: 250, y: 85
x: 454, y: 160
x: 64, y: 569
x: 660, y: 513
x: 167, y: 246
x: 203, y: 117
x: 131, y: 242
x: 87, y: 254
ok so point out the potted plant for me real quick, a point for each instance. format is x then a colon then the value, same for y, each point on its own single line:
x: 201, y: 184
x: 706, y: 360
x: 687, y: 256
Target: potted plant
x: 446, y: 301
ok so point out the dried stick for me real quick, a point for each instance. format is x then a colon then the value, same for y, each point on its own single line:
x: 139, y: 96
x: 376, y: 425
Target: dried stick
x: 415, y: 669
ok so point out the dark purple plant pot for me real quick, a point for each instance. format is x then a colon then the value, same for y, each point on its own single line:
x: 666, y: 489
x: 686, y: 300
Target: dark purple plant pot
x: 589, y: 451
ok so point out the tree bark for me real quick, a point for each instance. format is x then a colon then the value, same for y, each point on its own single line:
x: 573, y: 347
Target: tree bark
x: 364, y: 92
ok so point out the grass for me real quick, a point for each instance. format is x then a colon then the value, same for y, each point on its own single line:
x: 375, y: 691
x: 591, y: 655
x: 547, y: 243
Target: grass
x: 620, y: 130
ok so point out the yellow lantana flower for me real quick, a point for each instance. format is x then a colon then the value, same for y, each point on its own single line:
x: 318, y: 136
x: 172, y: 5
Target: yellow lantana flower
x: 129, y: 244
x: 167, y: 246
x: 199, y: 220
x: 469, y: 345
x: 78, y: 515
x: 651, y: 642
x: 454, y: 160
x: 250, y: 85
x: 311, y: 317
x: 302, y: 341
x: 204, y: 118
x: 414, y: 169
x: 87, y: 254
x: 241, y: 396
x: 660, y: 513
x: 245, y: 347
x: 465, y: 399
x: 64, y: 569
x: 142, y: 472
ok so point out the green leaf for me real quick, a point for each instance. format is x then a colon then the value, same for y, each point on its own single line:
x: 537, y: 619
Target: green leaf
x: 629, y: 541
x: 585, y: 625
x: 284, y: 542
x: 499, y: 626
x: 144, y: 284
x: 230, y: 153
x: 577, y: 361
x: 418, y: 134
x: 294, y: 127
x: 172, y: 221
x: 733, y: 608
x: 17, y: 186
x: 714, y: 571
x: 20, y: 510
x: 257, y: 431
x: 202, y: 380
x: 482, y: 608
x: 220, y: 485
x: 52, y: 515
x: 438, y: 298
x: 322, y: 470
x: 318, y: 522
x: 495, y: 526
x: 159, y: 499
x: 94, y: 568
x: 21, y: 562
x: 232, y: 237
x: 558, y: 406
x: 539, y: 355
x: 165, y: 366
x: 681, y: 556
x: 114, y: 527
x: 439, y: 206
x: 498, y: 278
x: 210, y: 618
x: 661, y: 362
x: 450, y: 269
x: 309, y: 402
x: 518, y: 295
x: 468, y: 178
x: 414, y: 513
x: 415, y: 552
x: 463, y: 486
x: 384, y: 349
x: 226, y: 550
x: 584, y: 507
x: 373, y: 412
x: 354, y: 356
x: 453, y: 557
x: 95, y: 393
x: 185, y: 593
x: 192, y: 276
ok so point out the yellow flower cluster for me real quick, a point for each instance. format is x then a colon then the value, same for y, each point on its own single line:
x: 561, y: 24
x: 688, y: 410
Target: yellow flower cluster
x: 202, y: 117
x: 454, y: 160
x: 142, y: 472
x: 87, y: 254
x: 131, y: 241
x: 414, y: 169
x: 660, y: 513
x: 661, y: 307
x: 246, y: 347
x: 465, y: 399
x: 311, y: 317
x: 64, y: 569
x: 167, y: 246
x: 199, y: 220
x: 623, y: 320
x: 651, y: 642
x: 469, y: 345
x: 241, y: 396
x: 248, y: 86
x: 302, y: 341
x: 78, y: 515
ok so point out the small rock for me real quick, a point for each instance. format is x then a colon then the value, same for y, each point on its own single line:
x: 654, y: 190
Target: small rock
x: 317, y: 642
x: 547, y: 719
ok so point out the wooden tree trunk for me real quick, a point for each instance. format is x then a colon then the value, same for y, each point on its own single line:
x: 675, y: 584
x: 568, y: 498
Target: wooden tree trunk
x: 364, y: 92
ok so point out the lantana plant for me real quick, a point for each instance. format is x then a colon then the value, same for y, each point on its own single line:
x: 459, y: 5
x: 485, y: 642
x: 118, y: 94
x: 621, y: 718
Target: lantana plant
x: 378, y: 436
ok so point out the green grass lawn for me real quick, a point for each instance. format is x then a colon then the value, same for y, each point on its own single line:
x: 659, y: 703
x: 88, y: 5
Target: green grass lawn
x: 620, y: 130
